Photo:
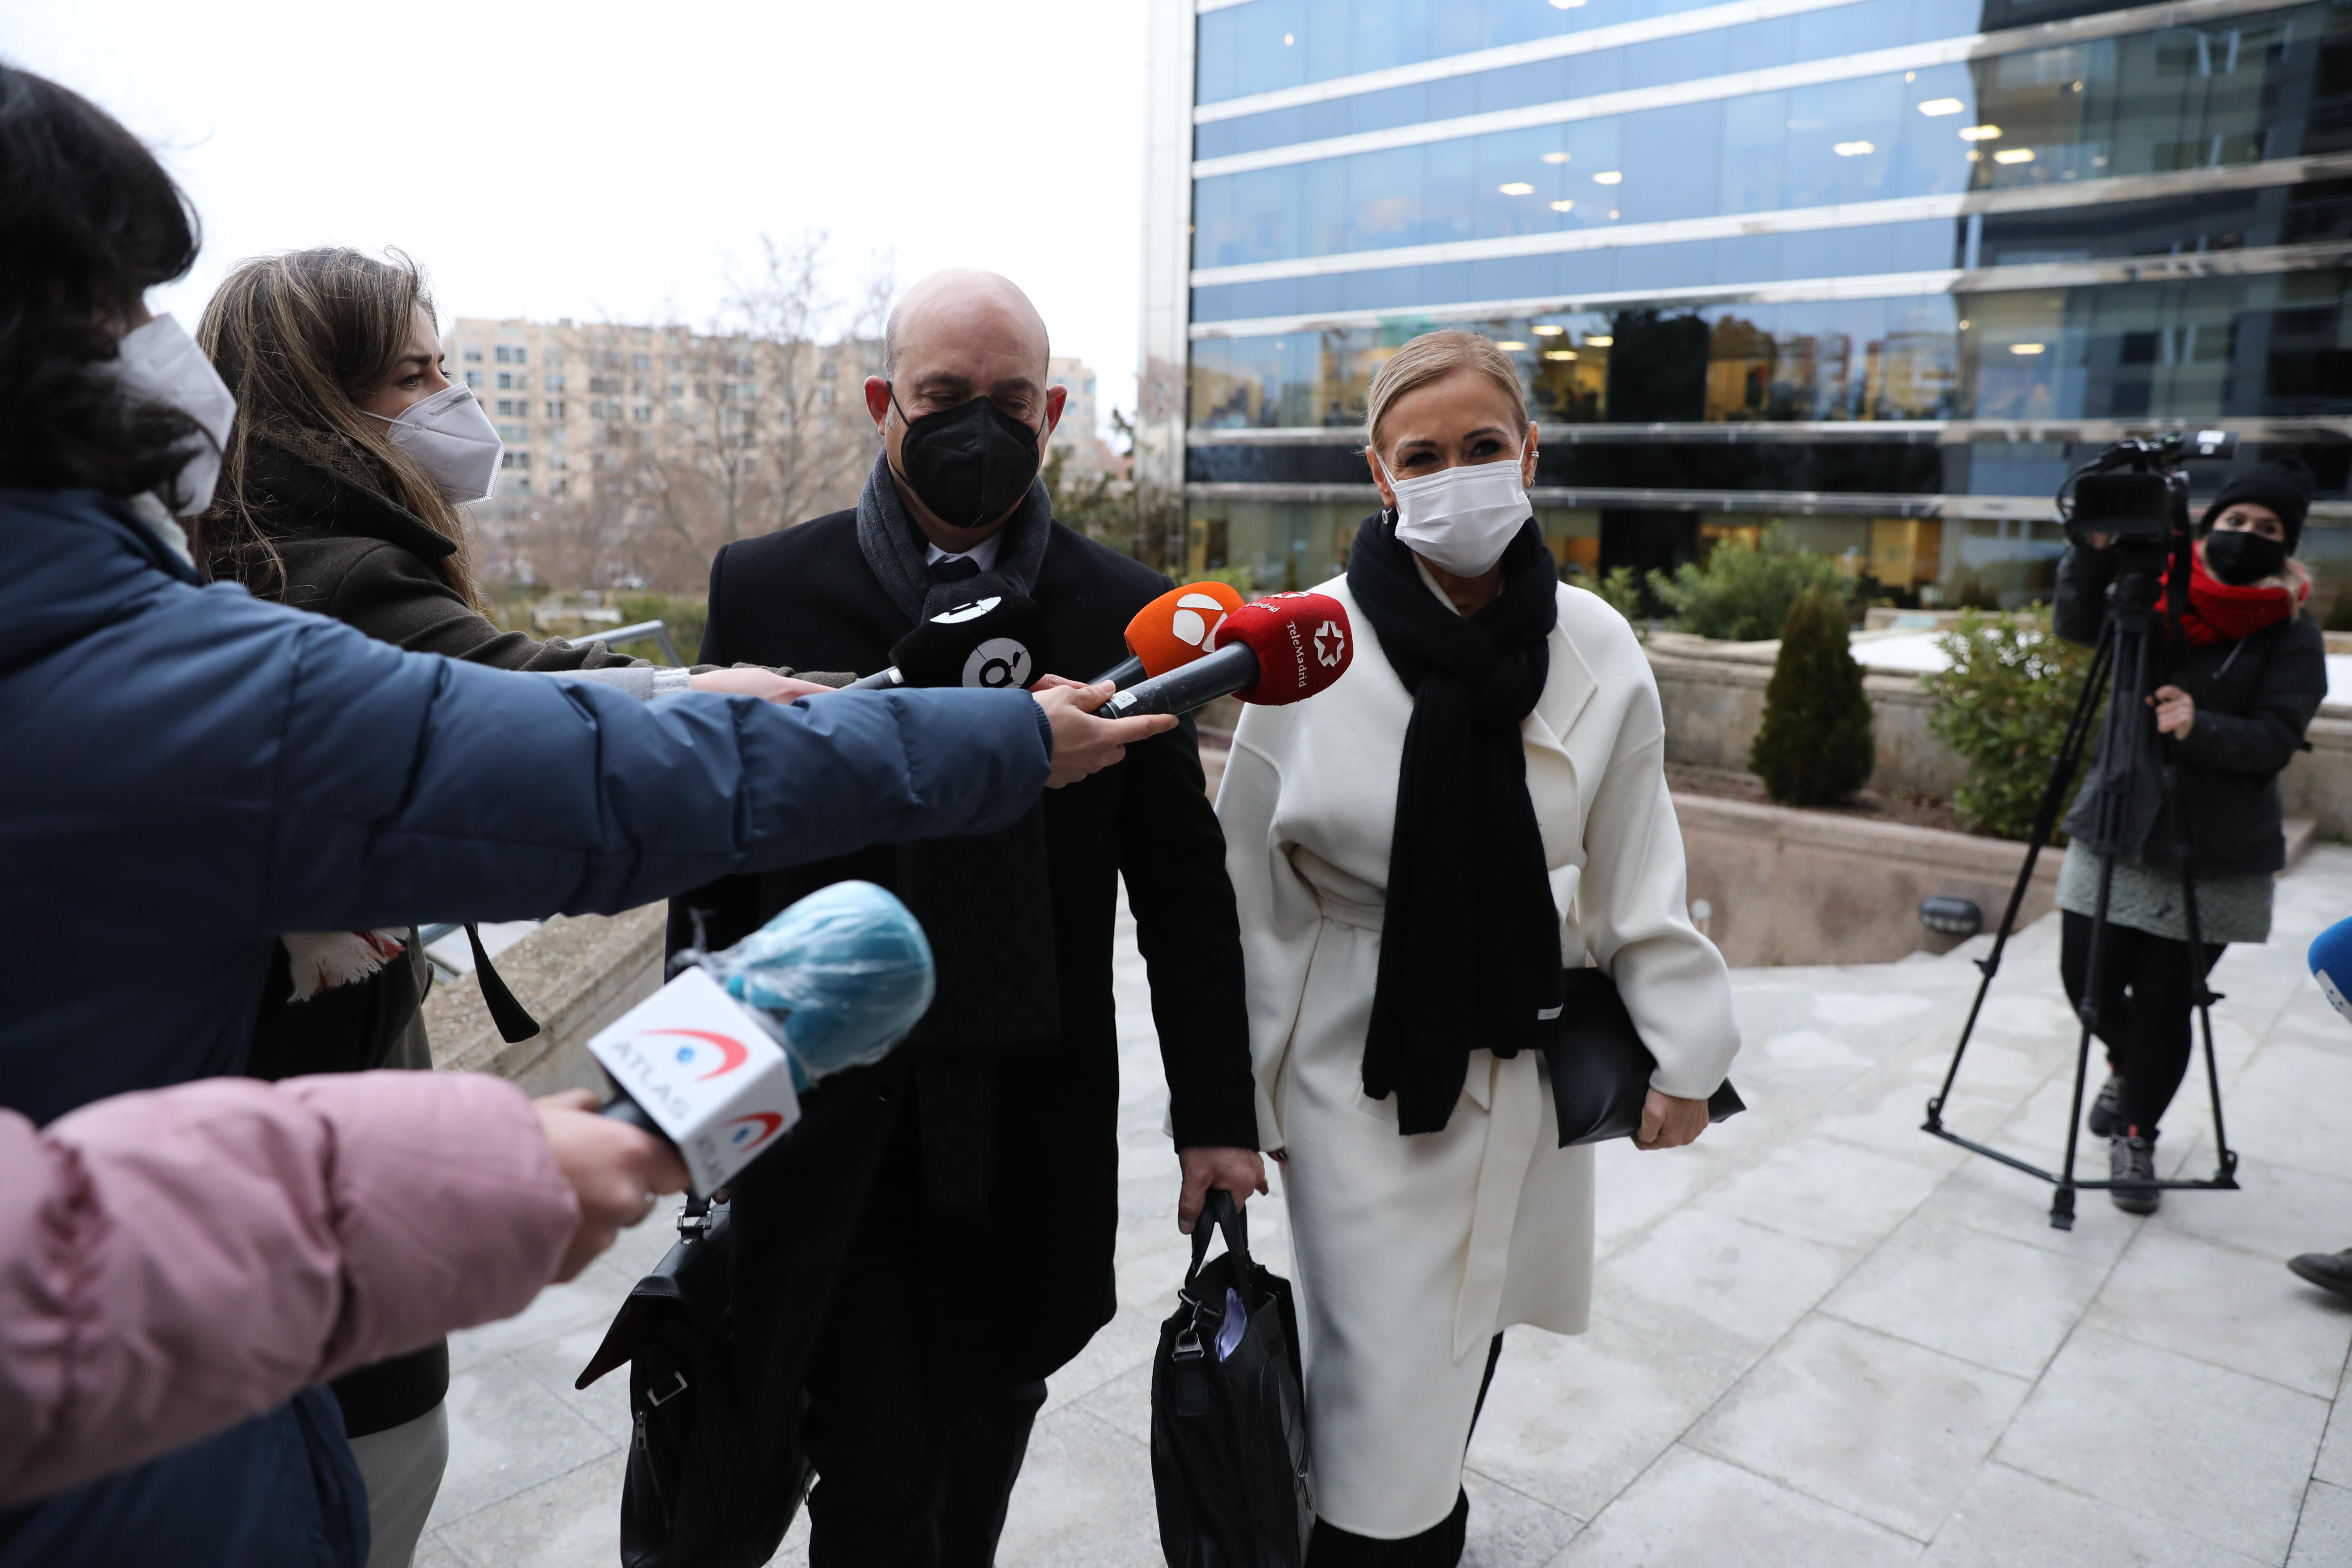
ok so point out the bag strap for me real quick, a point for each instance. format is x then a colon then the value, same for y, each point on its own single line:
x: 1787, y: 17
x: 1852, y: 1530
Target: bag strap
x: 1226, y: 1215
x: 514, y: 1021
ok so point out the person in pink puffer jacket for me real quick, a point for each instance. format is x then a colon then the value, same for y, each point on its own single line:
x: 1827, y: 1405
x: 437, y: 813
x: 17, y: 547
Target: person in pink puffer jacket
x: 176, y: 1261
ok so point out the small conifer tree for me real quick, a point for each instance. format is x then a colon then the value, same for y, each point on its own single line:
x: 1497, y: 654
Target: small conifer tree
x: 1814, y: 746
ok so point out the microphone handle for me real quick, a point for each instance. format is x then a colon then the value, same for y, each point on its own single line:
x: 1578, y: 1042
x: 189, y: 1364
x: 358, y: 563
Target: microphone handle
x: 1125, y: 673
x: 880, y: 680
x: 621, y: 1107
x: 1180, y: 690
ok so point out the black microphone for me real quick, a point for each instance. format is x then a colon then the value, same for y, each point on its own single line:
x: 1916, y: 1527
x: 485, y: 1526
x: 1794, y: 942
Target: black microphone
x: 1125, y: 673
x: 997, y: 642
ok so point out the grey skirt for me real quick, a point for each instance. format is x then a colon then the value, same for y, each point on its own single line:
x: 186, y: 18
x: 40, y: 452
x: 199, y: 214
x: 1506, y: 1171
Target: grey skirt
x: 2235, y: 908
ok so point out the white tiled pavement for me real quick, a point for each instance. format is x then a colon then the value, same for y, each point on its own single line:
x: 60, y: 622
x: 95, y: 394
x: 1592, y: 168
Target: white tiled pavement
x: 1820, y: 1337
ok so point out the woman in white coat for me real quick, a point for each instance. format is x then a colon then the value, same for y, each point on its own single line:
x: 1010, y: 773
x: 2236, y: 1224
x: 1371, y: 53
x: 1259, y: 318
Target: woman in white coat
x: 1416, y: 852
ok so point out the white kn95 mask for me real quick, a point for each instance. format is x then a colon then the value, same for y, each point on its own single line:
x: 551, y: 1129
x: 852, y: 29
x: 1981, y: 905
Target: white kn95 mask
x: 1462, y: 518
x: 453, y: 441
x: 157, y: 361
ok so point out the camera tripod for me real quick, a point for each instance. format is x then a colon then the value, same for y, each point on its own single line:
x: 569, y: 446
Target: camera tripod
x: 2125, y: 662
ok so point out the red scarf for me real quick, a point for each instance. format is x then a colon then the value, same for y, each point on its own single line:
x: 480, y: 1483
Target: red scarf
x: 2225, y: 612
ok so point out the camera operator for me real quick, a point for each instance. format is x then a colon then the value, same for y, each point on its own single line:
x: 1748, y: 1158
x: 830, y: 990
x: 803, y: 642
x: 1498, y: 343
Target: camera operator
x: 2239, y: 684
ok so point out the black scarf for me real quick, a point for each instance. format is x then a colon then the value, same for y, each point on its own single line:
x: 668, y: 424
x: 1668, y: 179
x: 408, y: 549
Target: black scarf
x: 1470, y: 944
x: 985, y: 900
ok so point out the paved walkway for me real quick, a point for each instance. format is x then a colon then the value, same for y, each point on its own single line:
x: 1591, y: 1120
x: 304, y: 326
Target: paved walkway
x: 1820, y: 1337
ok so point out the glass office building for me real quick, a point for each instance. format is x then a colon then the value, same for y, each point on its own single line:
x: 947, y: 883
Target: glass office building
x: 1878, y: 271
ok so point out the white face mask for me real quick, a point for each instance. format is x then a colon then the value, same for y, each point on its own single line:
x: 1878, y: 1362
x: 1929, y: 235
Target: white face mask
x: 161, y: 363
x: 452, y: 440
x: 1462, y: 518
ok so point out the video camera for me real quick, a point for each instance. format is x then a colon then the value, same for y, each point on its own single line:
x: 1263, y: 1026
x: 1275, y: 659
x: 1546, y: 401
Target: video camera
x: 2135, y: 498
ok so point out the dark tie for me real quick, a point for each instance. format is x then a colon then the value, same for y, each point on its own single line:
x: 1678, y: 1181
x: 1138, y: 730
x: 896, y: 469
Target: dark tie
x: 954, y: 569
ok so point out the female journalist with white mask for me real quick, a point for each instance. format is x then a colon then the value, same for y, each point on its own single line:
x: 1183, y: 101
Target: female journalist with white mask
x: 1480, y: 800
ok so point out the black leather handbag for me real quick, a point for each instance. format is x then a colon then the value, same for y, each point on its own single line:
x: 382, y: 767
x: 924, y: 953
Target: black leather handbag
x: 1600, y: 1068
x: 1229, y: 1455
x: 693, y: 1497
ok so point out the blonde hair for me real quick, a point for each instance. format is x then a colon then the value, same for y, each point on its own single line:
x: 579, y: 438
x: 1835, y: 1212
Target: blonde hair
x: 1431, y: 357
x: 298, y: 338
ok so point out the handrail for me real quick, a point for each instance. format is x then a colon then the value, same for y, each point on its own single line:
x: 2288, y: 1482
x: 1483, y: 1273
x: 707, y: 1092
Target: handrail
x: 641, y: 629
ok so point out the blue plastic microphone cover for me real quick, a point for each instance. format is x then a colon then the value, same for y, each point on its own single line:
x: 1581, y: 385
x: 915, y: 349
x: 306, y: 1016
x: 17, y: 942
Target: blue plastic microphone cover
x: 2331, y: 966
x: 838, y: 978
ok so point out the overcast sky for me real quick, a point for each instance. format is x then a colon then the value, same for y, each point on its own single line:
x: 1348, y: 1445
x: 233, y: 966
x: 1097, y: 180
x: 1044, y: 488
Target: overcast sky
x: 605, y: 161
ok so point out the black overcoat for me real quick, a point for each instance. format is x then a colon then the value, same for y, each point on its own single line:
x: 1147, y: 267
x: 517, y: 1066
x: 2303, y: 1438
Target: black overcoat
x: 804, y: 596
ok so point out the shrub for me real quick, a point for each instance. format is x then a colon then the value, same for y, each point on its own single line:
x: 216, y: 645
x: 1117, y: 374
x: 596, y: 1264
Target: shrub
x: 1745, y: 592
x: 1814, y: 745
x: 2339, y: 614
x: 1621, y: 590
x: 2002, y: 705
x: 683, y: 614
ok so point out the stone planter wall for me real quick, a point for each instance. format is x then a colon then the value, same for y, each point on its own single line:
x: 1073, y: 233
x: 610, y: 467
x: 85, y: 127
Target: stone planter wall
x: 1713, y: 694
x: 575, y: 975
x: 1804, y: 887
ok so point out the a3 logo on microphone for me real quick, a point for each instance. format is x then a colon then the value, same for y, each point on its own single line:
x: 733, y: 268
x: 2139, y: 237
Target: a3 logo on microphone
x: 1192, y: 623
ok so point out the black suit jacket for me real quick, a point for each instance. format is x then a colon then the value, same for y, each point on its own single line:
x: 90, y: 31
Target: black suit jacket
x: 1047, y: 1124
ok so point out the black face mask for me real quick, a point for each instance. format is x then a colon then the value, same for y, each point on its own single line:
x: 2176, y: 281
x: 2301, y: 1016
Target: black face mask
x: 2239, y: 557
x: 969, y: 464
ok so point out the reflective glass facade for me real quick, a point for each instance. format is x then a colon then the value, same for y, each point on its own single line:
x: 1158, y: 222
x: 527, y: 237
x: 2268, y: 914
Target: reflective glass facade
x: 1916, y: 220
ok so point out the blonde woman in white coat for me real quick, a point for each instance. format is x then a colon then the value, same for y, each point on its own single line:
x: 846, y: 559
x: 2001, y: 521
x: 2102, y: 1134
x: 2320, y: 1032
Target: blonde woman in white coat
x: 1416, y: 852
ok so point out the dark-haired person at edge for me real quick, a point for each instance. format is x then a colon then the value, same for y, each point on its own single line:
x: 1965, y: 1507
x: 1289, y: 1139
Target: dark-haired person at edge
x: 979, y: 1260
x: 194, y: 772
x: 2238, y: 689
x: 339, y: 493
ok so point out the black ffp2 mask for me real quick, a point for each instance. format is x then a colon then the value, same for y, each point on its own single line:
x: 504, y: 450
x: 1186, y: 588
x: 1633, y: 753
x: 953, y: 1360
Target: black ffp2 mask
x: 969, y: 464
x: 2239, y: 557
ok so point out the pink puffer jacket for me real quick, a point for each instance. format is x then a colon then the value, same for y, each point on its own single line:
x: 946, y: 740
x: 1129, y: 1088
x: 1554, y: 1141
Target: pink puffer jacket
x: 174, y: 1262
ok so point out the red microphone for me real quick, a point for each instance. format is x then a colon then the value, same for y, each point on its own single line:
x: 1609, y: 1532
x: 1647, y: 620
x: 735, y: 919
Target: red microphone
x: 1277, y: 649
x: 1174, y: 629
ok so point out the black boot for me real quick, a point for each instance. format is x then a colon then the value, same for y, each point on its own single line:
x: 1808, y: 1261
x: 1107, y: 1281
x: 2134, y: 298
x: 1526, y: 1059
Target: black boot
x: 2131, y: 1158
x: 2107, y: 1111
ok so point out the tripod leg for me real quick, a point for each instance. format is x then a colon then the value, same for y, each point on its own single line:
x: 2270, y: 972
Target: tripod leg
x: 2225, y: 1160
x: 2063, y: 767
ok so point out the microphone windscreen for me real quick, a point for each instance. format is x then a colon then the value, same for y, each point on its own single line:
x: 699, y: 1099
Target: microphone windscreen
x: 1302, y: 641
x: 1181, y: 625
x: 1000, y: 641
x: 847, y: 971
x: 2331, y: 966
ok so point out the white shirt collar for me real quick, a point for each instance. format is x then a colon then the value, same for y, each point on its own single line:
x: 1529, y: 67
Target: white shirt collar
x: 983, y: 556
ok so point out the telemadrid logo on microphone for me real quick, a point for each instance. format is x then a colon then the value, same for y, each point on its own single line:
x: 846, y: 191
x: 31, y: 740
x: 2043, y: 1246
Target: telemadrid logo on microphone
x: 708, y: 1073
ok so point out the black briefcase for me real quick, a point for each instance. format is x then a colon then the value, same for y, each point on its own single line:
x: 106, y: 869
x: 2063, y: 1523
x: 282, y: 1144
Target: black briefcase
x: 692, y: 1496
x: 1229, y: 1455
x: 1600, y: 1068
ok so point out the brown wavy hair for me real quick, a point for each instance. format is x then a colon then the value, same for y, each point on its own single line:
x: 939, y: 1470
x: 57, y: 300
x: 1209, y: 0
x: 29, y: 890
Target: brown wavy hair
x: 299, y: 338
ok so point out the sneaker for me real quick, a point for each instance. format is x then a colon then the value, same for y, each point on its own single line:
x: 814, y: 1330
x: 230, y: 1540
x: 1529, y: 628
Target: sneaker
x: 2107, y: 1111
x: 2328, y: 1270
x: 2133, y: 1159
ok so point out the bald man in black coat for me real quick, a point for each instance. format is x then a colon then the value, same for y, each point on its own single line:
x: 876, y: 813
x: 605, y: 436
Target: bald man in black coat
x: 967, y: 1191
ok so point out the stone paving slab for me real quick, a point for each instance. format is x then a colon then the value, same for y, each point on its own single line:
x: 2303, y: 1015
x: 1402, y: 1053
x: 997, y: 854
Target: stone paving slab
x: 1820, y: 1337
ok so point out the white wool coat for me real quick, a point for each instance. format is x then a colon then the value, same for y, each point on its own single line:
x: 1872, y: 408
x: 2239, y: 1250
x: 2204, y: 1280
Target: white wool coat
x: 1413, y: 1253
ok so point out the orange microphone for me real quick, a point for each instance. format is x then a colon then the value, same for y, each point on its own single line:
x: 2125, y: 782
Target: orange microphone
x: 1173, y: 630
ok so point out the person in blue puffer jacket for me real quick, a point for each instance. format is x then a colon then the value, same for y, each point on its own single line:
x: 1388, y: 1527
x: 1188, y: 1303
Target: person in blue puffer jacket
x: 186, y: 772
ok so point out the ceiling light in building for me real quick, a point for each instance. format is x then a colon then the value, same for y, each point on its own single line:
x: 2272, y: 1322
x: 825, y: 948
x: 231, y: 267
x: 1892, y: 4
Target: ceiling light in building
x: 1612, y: 214
x: 2026, y: 348
x: 1979, y: 132
x: 2013, y: 155
x: 1547, y: 329
x: 1517, y: 188
x: 1937, y: 106
x: 1563, y: 206
x: 1560, y: 354
x: 1566, y: 5
x: 1598, y: 341
x: 1609, y: 177
x: 1512, y: 346
x: 1285, y: 40
x: 1556, y: 157
x: 1854, y: 149
x: 1964, y: 323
